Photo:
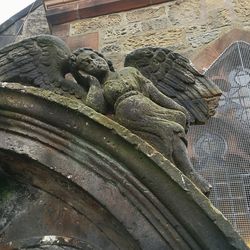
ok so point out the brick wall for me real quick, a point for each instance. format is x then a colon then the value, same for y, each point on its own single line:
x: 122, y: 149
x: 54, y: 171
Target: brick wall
x: 187, y: 26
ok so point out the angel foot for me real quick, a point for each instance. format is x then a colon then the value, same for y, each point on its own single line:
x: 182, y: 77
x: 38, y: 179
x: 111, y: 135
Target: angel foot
x: 201, y: 183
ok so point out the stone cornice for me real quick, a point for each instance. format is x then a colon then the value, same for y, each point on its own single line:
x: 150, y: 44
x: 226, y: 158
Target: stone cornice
x: 59, y: 11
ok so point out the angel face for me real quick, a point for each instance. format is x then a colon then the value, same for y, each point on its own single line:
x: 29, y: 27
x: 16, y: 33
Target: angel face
x: 90, y: 62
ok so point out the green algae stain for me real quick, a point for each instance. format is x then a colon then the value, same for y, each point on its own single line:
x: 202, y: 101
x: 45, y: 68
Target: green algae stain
x: 6, y: 189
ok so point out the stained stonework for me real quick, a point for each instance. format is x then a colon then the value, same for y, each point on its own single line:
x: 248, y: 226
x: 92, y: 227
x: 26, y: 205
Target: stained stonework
x: 156, y: 24
x: 185, y: 13
x: 36, y: 23
x: 222, y: 17
x: 187, y: 26
x: 145, y: 14
x: 114, y: 33
x: 93, y: 24
x: 165, y: 38
x: 242, y: 10
x: 210, y: 4
x: 97, y: 182
x: 111, y: 48
x: 198, y: 36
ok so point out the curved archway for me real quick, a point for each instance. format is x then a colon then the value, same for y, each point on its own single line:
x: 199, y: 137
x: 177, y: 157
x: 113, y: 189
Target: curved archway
x: 130, y: 192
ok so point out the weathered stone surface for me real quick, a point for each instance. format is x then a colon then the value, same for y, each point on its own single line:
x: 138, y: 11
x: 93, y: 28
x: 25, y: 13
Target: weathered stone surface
x: 164, y: 38
x: 111, y: 48
x: 103, y: 89
x: 61, y: 30
x: 185, y: 13
x: 114, y: 33
x: 42, y: 61
x: 145, y: 14
x: 156, y: 24
x: 198, y: 36
x: 93, y: 24
x: 217, y: 16
x: 36, y: 23
x: 116, y: 58
x: 222, y: 17
x: 123, y: 186
x: 89, y: 40
x: 242, y: 10
x: 214, y: 4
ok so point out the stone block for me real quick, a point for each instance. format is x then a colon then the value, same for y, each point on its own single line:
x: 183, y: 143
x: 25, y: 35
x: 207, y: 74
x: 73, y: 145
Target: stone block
x: 111, y: 48
x: 61, y: 29
x: 164, y: 38
x: 63, y: 14
x: 219, y: 18
x: 198, y: 36
x: 156, y: 24
x: 94, y: 24
x: 242, y: 10
x: 121, y: 31
x: 214, y: 4
x: 90, y: 40
x: 145, y: 14
x: 36, y: 23
x: 185, y: 12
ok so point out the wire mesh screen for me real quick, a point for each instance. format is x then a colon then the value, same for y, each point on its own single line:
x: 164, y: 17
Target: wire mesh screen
x: 220, y: 150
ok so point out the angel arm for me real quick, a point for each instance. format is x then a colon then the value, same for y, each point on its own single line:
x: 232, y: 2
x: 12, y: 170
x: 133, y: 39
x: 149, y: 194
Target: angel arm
x: 95, y: 98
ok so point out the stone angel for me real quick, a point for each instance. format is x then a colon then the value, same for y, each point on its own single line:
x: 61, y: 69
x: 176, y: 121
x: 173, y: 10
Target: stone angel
x: 156, y: 95
x: 142, y: 98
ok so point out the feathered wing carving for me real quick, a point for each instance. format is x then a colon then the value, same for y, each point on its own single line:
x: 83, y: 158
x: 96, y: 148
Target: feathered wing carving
x: 175, y: 77
x: 41, y: 61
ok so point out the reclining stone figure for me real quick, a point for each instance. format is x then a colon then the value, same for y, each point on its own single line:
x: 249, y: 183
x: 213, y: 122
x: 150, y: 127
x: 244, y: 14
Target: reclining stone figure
x: 157, y: 98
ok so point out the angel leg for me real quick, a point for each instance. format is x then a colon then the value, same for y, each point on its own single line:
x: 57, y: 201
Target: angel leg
x: 182, y: 161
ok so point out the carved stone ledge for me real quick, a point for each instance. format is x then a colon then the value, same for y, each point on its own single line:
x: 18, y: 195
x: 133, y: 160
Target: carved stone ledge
x: 59, y: 12
x: 133, y: 195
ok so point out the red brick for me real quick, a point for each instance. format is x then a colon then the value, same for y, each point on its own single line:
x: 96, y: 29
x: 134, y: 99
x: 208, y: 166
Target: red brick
x: 62, y: 14
x: 109, y: 6
x: 90, y: 40
x: 51, y: 3
x: 61, y: 30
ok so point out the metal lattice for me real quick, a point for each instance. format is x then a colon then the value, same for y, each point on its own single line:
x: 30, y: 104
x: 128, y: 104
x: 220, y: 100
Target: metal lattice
x: 220, y: 150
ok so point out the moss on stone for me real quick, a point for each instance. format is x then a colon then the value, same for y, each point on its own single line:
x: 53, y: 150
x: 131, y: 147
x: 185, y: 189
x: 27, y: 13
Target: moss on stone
x: 6, y: 189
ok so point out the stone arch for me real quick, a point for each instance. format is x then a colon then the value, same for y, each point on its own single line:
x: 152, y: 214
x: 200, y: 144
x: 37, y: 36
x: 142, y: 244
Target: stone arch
x: 208, y: 55
x: 134, y: 195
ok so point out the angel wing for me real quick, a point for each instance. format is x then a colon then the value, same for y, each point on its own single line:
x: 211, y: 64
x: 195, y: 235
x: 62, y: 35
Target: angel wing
x: 40, y: 61
x: 175, y: 77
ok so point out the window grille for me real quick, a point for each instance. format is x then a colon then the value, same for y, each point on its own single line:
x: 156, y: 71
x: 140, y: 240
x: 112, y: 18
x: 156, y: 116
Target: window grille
x: 220, y: 150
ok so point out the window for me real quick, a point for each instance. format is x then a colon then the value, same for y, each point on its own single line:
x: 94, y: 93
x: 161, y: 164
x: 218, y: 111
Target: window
x: 220, y: 150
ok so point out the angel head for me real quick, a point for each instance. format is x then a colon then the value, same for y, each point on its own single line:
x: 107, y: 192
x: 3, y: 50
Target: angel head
x: 90, y: 62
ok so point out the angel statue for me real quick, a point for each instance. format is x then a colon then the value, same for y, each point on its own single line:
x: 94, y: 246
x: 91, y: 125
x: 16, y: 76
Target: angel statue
x: 156, y: 95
